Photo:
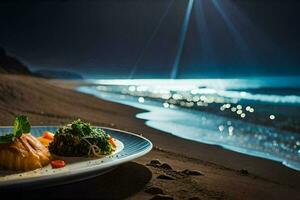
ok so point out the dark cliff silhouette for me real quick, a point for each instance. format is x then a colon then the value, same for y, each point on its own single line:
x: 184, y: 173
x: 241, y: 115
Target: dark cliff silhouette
x: 11, y: 65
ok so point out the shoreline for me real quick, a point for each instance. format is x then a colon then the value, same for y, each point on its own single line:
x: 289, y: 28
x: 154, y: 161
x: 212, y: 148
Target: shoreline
x: 160, y: 118
x: 46, y: 103
x: 238, y: 161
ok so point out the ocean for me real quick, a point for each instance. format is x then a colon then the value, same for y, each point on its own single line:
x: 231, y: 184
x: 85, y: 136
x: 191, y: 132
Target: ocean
x: 254, y: 116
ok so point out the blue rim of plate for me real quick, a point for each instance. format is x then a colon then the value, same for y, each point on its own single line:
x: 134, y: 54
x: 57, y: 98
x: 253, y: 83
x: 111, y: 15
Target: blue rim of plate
x: 134, y: 146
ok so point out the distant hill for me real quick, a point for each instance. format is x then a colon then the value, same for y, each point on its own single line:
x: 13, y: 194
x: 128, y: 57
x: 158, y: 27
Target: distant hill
x: 11, y: 65
x: 57, y: 74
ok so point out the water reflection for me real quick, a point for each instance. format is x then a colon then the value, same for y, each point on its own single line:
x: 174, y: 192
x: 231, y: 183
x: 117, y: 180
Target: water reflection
x: 214, y: 116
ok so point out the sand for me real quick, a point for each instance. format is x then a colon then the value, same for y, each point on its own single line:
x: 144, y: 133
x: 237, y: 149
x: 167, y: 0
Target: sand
x: 210, y: 171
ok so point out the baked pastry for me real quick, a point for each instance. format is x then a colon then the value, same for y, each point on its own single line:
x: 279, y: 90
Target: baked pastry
x: 24, y: 153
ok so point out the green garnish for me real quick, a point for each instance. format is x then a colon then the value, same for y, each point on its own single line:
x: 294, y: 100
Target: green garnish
x: 7, y: 139
x: 21, y: 125
x: 80, y: 139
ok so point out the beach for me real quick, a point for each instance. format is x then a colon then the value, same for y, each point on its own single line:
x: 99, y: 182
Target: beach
x: 176, y: 168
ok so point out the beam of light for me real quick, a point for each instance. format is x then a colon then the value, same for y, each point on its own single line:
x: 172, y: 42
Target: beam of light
x: 262, y: 39
x: 182, y: 39
x: 237, y: 36
x: 152, y: 36
x: 205, y: 38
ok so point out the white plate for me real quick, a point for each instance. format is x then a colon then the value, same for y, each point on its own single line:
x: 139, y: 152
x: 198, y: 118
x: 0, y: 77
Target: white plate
x: 129, y: 147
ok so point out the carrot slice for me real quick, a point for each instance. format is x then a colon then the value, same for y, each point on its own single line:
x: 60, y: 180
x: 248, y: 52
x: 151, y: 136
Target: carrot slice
x: 44, y: 141
x: 112, y: 142
x: 48, y: 135
x: 58, y: 163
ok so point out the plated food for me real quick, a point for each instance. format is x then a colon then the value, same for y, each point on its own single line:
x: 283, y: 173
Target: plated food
x: 20, y: 150
x: 24, y: 153
x: 81, y: 139
x: 64, y: 169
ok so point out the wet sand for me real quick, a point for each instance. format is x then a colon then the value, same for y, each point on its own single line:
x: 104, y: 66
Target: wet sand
x: 180, y: 169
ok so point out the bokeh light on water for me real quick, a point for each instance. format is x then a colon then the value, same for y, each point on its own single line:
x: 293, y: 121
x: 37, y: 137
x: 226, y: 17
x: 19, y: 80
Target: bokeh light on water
x: 221, y: 112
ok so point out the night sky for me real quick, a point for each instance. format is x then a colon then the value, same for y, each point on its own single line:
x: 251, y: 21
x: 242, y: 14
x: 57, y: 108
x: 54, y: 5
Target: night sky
x: 105, y: 38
